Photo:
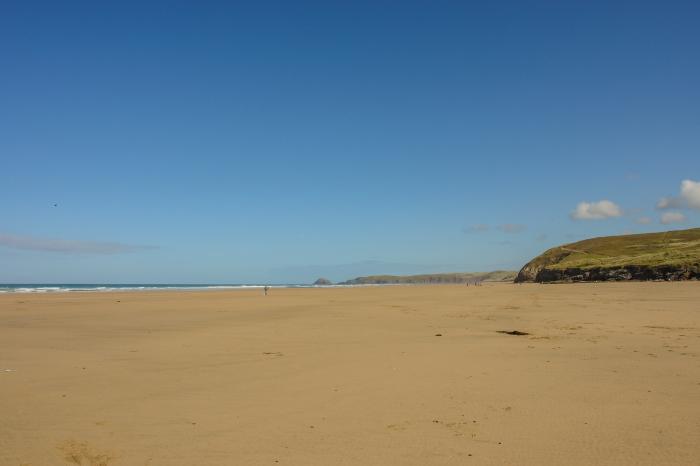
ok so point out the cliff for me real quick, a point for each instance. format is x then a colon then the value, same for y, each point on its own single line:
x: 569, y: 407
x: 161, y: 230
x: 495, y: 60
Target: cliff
x: 671, y: 255
x: 437, y: 278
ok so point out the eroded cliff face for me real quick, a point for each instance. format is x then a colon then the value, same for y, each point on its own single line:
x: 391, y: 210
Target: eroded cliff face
x: 543, y: 274
x: 531, y: 270
x: 528, y: 273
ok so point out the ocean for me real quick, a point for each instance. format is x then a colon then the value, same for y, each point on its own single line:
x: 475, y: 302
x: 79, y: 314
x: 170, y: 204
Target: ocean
x: 97, y: 287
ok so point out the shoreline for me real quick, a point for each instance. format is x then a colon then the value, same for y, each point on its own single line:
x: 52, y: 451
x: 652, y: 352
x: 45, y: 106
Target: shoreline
x: 101, y: 288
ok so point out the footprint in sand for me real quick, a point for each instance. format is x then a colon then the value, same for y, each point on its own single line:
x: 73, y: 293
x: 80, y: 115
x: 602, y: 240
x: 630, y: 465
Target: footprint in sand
x: 81, y: 454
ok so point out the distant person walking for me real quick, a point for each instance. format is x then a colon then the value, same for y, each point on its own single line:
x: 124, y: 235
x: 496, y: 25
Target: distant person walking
x: 265, y: 289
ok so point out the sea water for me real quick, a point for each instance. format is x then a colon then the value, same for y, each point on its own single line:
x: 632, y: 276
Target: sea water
x: 97, y: 287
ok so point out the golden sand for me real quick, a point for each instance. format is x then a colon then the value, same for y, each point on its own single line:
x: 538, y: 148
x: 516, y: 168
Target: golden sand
x: 608, y: 375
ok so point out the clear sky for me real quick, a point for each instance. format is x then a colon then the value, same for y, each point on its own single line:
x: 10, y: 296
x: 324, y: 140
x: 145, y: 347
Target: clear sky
x: 281, y: 141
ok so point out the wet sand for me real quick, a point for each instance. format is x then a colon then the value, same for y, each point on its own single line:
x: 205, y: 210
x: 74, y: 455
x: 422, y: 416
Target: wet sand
x: 609, y: 374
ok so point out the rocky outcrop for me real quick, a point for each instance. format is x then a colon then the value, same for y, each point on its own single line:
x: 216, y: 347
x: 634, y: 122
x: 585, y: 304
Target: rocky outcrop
x: 602, y: 274
x: 323, y: 282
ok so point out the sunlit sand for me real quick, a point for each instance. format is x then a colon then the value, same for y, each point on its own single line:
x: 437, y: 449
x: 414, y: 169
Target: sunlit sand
x: 397, y: 375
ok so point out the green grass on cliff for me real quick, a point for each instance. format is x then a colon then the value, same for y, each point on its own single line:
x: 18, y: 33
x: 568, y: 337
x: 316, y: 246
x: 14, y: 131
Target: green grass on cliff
x: 460, y: 277
x: 651, y: 249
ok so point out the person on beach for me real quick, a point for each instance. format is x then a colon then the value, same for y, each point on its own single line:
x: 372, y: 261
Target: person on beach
x: 266, y: 288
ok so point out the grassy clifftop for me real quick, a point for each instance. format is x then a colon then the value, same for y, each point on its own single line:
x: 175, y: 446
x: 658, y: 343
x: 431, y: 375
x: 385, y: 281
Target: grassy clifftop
x: 466, y: 277
x: 665, y: 256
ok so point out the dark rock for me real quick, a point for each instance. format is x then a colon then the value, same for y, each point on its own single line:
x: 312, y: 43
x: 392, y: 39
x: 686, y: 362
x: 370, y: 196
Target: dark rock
x: 323, y: 282
x: 604, y: 274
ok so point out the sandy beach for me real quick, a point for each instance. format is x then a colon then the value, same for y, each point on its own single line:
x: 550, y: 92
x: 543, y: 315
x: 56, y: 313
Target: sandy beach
x: 609, y: 374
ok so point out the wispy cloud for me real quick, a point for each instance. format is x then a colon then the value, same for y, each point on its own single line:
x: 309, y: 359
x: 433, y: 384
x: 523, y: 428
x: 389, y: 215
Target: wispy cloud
x: 541, y: 237
x: 672, y: 217
x: 596, y: 210
x: 669, y: 203
x: 643, y: 220
x: 512, y: 228
x: 505, y: 228
x: 31, y: 243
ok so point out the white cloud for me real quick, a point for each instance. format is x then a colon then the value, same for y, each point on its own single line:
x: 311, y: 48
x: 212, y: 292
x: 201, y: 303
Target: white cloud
x: 31, y: 243
x: 690, y: 192
x: 596, y: 210
x: 669, y: 203
x: 672, y: 217
x: 643, y: 220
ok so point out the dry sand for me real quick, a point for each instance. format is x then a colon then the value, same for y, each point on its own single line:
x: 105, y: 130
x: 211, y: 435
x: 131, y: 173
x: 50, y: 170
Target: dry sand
x: 609, y: 375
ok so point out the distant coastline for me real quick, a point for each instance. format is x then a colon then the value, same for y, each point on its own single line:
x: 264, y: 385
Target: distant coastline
x: 436, y: 278
x: 370, y: 280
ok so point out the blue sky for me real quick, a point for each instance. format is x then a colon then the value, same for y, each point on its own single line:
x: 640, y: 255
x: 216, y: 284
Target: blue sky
x: 282, y: 141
